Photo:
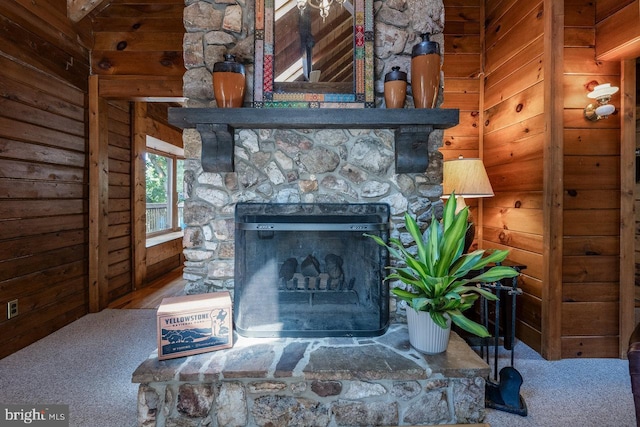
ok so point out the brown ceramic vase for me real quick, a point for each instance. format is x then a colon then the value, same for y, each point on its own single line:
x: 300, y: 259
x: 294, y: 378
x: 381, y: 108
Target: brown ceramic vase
x: 425, y: 73
x: 395, y: 88
x: 228, y: 83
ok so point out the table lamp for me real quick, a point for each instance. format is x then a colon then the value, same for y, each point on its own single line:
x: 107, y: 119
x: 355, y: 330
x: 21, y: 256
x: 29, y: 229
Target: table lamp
x: 468, y: 179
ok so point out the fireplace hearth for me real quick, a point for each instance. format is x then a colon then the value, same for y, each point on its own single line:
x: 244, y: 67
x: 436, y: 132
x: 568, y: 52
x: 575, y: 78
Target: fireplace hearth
x: 307, y: 270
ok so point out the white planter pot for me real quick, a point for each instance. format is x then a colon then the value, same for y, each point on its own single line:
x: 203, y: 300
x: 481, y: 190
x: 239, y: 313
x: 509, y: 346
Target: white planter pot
x: 424, y: 334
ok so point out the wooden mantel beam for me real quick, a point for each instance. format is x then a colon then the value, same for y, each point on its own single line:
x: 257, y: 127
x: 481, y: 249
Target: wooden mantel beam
x: 78, y: 9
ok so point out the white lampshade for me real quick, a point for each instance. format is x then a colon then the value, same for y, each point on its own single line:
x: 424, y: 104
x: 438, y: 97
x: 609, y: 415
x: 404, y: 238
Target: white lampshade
x: 466, y: 177
x: 603, y: 90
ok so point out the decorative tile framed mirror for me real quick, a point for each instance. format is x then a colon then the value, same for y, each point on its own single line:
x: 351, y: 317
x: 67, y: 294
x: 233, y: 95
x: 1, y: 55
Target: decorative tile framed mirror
x: 293, y: 43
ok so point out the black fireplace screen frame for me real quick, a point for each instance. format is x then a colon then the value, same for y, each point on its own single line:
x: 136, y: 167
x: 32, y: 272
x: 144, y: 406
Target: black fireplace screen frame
x: 307, y: 270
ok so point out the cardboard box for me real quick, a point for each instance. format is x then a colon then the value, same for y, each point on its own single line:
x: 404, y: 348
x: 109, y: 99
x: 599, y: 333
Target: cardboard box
x: 193, y: 324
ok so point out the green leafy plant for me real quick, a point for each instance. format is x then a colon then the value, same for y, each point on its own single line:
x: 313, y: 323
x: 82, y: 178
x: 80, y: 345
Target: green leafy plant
x: 441, y: 278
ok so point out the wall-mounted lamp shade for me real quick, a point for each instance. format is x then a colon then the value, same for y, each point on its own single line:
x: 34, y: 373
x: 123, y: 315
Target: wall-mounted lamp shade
x: 603, y: 90
x: 602, y: 94
x: 467, y: 177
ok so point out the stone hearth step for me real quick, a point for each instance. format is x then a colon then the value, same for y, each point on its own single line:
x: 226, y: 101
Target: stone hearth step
x: 315, y: 382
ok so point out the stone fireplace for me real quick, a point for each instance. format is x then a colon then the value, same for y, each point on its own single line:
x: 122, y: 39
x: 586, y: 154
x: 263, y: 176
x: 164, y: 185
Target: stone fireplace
x: 295, y: 166
x: 353, y: 378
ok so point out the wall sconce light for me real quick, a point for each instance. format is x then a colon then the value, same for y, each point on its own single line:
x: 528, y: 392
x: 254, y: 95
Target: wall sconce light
x: 467, y: 178
x: 601, y: 93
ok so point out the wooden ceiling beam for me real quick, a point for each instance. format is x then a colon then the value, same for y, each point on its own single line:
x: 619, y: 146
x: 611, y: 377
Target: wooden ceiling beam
x: 78, y: 9
x: 618, y: 35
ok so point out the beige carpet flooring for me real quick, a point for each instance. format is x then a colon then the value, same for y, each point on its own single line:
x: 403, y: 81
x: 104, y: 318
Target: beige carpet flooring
x: 88, y: 365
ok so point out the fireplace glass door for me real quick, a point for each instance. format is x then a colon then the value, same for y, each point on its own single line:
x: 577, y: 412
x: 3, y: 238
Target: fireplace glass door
x: 308, y: 270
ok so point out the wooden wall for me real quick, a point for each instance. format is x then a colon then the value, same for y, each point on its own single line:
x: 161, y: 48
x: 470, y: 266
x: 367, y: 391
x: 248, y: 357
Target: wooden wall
x: 117, y: 196
x: 136, y: 56
x: 163, y: 258
x: 120, y: 219
x: 462, y: 78
x: 637, y: 196
x: 591, y: 242
x: 463, y: 85
x: 494, y: 74
x: 44, y: 154
x: 43, y: 171
x: 553, y: 172
x: 513, y: 132
x: 137, y: 49
x: 158, y: 259
x: 40, y: 35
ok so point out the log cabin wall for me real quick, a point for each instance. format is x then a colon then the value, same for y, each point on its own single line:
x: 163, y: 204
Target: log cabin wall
x: 129, y: 263
x: 515, y: 112
x: 137, y: 50
x: 136, y: 56
x: 513, y: 219
x: 123, y: 274
x: 538, y: 70
x: 43, y: 171
x: 462, y: 78
x: 591, y: 242
x: 45, y: 78
x: 163, y: 258
x: 513, y: 148
x: 120, y: 225
x: 637, y: 196
x: 463, y: 84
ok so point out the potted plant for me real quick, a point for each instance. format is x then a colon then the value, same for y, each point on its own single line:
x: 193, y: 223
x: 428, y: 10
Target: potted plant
x: 441, y: 279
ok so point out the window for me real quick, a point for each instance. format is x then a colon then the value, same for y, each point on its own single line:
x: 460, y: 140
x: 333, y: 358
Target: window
x: 164, y: 197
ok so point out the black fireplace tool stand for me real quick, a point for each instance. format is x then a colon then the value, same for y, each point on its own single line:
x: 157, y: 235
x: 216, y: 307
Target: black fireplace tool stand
x: 502, y: 394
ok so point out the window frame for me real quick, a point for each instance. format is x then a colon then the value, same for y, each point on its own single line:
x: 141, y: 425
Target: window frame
x: 172, y: 196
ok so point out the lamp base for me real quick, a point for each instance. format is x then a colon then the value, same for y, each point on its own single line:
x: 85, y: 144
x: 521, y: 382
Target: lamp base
x: 590, y: 113
x: 469, y: 236
x: 471, y: 227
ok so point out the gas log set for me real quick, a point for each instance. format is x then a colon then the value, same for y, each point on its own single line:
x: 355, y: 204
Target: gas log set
x: 308, y: 270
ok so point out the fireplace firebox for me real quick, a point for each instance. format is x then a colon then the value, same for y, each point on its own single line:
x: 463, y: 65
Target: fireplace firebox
x: 307, y: 270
